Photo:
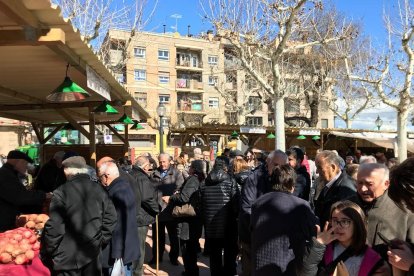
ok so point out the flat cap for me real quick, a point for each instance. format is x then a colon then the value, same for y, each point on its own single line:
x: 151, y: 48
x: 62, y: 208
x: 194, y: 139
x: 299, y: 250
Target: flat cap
x: 17, y: 154
x: 235, y: 153
x: 74, y: 162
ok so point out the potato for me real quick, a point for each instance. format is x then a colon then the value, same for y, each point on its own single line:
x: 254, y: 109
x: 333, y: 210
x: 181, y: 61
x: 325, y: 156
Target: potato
x: 36, y: 246
x: 32, y: 217
x: 30, y: 254
x: 39, y: 226
x: 17, y: 237
x: 30, y: 224
x: 27, y: 234
x: 32, y: 239
x: 20, y: 259
x: 42, y: 218
x: 5, y: 258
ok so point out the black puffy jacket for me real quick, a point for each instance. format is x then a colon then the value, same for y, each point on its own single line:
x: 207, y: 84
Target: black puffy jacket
x: 241, y: 177
x: 220, y: 196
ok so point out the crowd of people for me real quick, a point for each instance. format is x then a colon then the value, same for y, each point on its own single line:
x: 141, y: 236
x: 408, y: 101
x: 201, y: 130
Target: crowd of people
x: 280, y: 213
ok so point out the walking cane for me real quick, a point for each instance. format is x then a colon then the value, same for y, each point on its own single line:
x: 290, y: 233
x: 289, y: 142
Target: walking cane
x: 157, y: 250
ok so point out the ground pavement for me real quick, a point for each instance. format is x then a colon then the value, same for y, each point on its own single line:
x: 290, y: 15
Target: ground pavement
x: 166, y: 268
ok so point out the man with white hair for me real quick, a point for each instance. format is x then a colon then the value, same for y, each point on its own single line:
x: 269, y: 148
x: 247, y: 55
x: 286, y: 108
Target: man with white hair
x: 82, y: 218
x: 51, y: 174
x: 167, y: 180
x: 383, y: 215
x: 124, y: 243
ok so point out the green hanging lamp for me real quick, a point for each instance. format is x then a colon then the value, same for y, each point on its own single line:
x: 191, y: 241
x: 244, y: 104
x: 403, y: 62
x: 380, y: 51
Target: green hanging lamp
x: 271, y: 136
x: 105, y: 108
x: 234, y: 135
x: 68, y: 91
x: 125, y: 120
x: 137, y: 125
x: 316, y: 137
x: 301, y: 137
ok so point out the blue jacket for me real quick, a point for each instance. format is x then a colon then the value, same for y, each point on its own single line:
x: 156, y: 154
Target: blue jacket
x: 124, y: 243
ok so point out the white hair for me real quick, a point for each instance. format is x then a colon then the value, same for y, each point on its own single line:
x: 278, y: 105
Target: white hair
x: 70, y: 171
x: 367, y: 159
x: 164, y: 155
x: 375, y: 166
x: 109, y: 168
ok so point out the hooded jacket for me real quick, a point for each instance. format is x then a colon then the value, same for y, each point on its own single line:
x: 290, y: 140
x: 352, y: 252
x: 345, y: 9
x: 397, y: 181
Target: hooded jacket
x: 220, y: 196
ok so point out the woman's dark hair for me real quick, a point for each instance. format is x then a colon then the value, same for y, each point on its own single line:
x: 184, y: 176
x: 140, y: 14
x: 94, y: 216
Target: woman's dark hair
x: 401, y: 189
x: 283, y: 178
x: 199, y: 169
x: 295, y: 152
x: 356, y: 214
x: 221, y: 163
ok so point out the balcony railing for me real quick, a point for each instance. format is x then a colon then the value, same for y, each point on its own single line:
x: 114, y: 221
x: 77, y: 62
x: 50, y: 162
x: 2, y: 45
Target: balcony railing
x: 189, y: 84
x: 189, y: 64
x: 189, y: 106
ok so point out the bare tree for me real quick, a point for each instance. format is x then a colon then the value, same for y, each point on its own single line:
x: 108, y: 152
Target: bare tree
x: 94, y: 18
x: 392, y: 75
x: 262, y: 34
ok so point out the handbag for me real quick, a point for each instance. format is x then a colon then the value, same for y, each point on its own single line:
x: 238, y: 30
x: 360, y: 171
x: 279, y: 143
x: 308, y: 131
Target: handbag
x: 118, y: 268
x: 185, y: 210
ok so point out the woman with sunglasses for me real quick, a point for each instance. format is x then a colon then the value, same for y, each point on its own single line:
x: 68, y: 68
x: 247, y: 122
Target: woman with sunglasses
x: 342, y: 246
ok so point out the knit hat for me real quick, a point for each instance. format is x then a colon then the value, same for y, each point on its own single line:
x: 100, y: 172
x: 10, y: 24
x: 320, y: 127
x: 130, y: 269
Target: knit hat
x: 74, y: 162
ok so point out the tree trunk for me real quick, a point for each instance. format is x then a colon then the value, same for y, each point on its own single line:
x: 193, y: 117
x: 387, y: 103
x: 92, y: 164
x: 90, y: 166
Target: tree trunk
x: 348, y: 123
x: 314, y: 116
x: 279, y: 122
x: 402, y: 117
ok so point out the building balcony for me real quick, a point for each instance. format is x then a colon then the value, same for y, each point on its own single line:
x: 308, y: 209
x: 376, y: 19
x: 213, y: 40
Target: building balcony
x: 188, y: 65
x: 187, y: 85
x: 231, y: 86
x: 190, y: 106
x: 231, y: 64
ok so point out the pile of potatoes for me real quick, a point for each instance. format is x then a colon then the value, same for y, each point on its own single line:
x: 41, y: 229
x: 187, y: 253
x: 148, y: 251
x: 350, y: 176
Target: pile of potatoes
x: 34, y: 222
x: 18, y: 246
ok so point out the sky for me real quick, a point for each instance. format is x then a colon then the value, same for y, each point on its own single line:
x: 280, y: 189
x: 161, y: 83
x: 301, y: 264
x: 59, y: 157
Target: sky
x: 181, y: 13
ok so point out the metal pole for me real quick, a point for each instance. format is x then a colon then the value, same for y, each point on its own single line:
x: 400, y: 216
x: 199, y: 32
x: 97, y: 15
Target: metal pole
x: 161, y: 136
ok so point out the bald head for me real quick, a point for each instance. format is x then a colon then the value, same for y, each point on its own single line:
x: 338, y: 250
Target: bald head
x: 107, y: 170
x: 104, y: 160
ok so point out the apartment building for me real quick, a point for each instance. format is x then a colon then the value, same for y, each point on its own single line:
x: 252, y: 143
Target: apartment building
x: 198, y: 81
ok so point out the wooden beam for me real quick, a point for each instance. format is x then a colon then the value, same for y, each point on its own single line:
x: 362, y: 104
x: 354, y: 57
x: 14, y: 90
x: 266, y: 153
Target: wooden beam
x: 73, y: 122
x: 15, y: 107
x: 32, y: 36
x: 92, y: 138
x: 126, y: 141
x: 70, y: 56
x: 47, y: 138
x: 39, y: 134
x: 15, y: 94
x: 115, y: 132
x: 18, y: 117
x: 17, y: 11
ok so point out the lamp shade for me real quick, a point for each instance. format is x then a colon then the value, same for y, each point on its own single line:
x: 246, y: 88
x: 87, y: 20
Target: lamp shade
x: 125, y: 120
x: 161, y: 110
x: 137, y: 125
x: 68, y: 91
x: 234, y: 134
x: 316, y: 137
x: 271, y: 136
x: 105, y: 108
x: 301, y: 137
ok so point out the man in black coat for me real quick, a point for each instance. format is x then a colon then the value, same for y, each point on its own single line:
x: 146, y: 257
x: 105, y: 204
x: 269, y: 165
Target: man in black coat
x: 147, y: 206
x: 303, y: 181
x: 51, y: 174
x: 124, y: 243
x: 281, y: 226
x: 82, y: 218
x: 337, y: 185
x: 167, y: 180
x: 13, y: 195
x: 256, y: 185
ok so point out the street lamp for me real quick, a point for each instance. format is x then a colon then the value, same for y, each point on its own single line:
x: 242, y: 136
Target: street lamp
x: 161, y: 111
x: 378, y: 122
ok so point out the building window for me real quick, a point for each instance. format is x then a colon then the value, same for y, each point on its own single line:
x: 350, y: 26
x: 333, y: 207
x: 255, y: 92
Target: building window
x: 324, y: 123
x: 139, y: 52
x: 292, y: 105
x: 231, y: 117
x: 255, y: 103
x: 141, y: 98
x: 140, y: 75
x: 324, y: 106
x: 165, y: 99
x: 254, y: 121
x: 164, y: 77
x: 212, y: 80
x: 213, y: 102
x: 163, y: 54
x: 212, y: 60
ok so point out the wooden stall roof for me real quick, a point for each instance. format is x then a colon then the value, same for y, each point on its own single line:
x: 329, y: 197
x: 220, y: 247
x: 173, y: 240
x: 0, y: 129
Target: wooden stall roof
x: 36, y: 44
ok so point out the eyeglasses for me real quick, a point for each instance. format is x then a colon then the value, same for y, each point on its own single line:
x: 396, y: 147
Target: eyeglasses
x: 104, y: 174
x: 343, y: 223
